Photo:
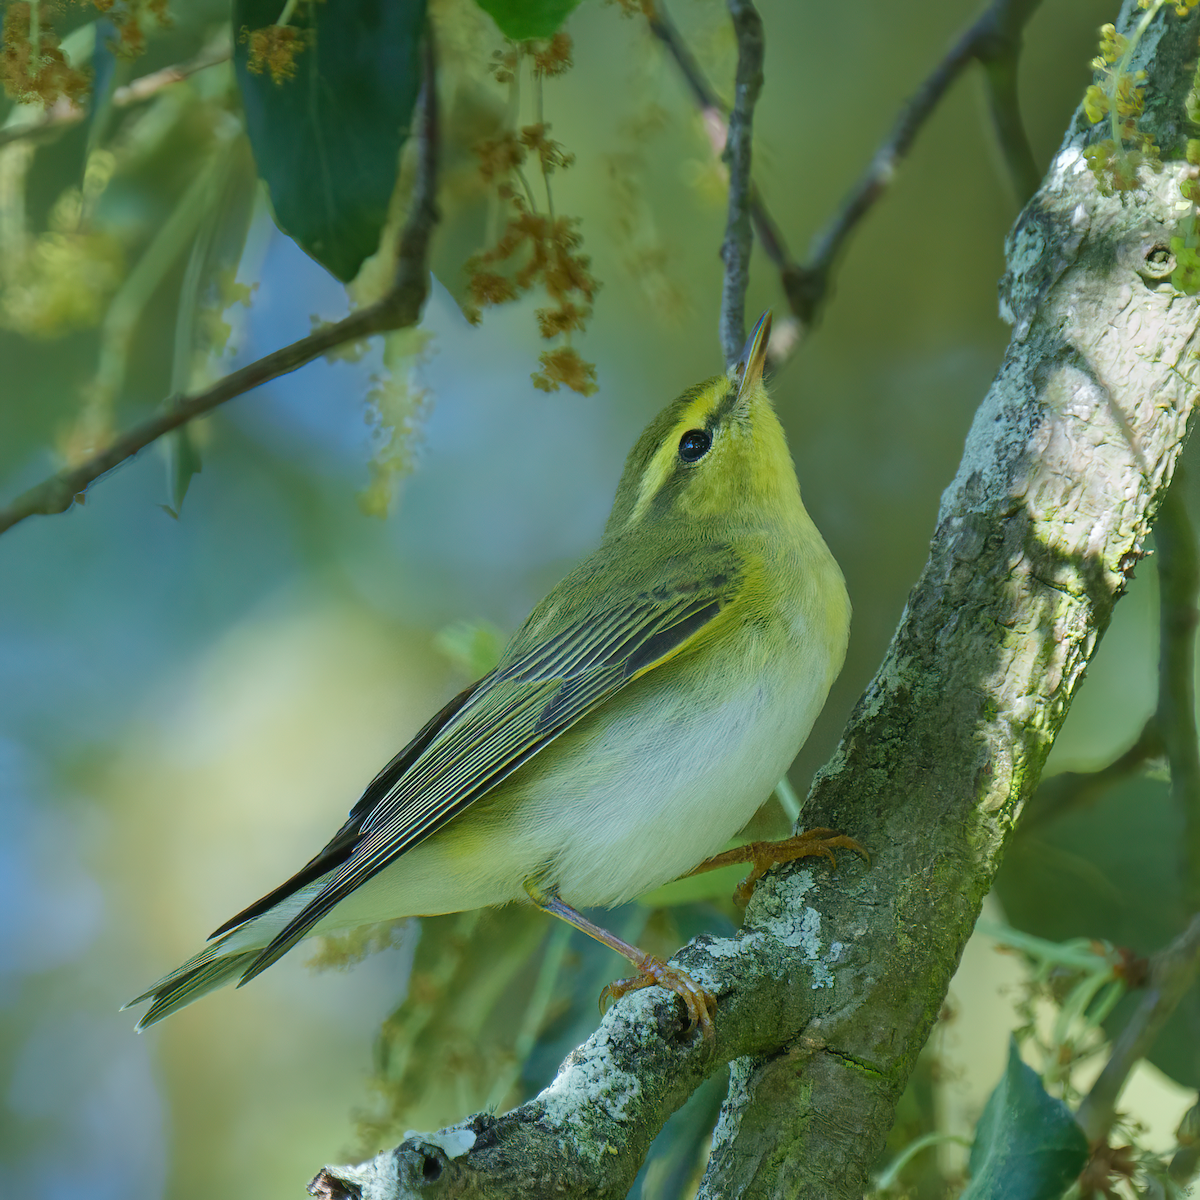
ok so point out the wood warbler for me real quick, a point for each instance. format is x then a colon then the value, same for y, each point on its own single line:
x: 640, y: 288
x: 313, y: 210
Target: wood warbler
x: 633, y: 725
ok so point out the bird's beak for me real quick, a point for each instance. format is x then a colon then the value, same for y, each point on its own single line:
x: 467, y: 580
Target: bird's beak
x: 753, y: 357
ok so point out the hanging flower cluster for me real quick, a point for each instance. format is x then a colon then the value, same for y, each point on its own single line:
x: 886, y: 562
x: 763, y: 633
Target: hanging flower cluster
x: 536, y: 246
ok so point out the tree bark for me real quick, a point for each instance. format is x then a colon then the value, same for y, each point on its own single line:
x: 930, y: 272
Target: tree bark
x: 830, y: 990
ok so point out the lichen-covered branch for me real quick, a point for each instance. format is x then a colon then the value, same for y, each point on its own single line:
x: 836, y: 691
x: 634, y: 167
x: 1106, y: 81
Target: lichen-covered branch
x: 587, y: 1134
x: 1065, y: 467
x: 735, y: 250
x: 399, y: 308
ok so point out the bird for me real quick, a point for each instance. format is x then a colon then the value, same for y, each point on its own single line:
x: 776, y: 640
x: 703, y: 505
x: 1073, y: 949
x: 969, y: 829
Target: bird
x: 634, y: 723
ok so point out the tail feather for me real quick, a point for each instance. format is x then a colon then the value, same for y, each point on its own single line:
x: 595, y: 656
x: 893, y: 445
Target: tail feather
x: 201, y: 974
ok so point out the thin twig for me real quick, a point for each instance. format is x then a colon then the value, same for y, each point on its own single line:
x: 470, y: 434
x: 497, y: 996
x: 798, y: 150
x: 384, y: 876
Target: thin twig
x: 770, y: 236
x: 1171, y: 974
x: 398, y: 309
x: 1000, y: 83
x: 64, y: 113
x: 994, y: 40
x: 735, y: 249
x: 1179, y: 585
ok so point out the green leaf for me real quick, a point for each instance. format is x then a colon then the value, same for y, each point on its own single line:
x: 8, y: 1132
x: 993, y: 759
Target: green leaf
x: 327, y: 140
x: 1027, y: 1145
x: 183, y: 462
x: 525, y: 19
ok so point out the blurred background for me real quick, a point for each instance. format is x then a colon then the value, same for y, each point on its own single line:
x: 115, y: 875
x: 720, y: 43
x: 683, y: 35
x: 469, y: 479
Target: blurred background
x: 194, y: 693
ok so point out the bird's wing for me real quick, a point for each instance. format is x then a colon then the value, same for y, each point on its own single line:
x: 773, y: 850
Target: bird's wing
x: 532, y: 697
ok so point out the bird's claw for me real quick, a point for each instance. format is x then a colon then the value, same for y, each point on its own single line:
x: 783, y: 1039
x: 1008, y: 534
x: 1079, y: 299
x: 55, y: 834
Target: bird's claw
x: 653, y: 972
x: 812, y: 843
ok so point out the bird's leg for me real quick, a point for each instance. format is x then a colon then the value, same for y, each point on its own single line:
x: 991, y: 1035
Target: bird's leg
x: 764, y: 855
x: 651, y: 971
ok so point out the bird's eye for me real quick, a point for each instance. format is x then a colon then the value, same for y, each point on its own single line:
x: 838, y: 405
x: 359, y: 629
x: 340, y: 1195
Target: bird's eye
x: 694, y: 445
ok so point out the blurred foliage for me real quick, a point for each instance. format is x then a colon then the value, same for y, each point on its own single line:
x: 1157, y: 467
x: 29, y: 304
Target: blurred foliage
x: 1089, y: 873
x: 191, y: 701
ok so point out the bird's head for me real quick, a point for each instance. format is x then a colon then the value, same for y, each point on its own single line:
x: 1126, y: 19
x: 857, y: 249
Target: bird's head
x: 716, y: 453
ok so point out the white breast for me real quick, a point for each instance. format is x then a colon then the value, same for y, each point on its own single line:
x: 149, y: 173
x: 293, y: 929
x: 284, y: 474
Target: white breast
x: 671, y: 783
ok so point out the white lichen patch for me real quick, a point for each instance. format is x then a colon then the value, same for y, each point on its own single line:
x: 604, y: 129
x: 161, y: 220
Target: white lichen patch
x: 1067, y: 162
x: 728, y: 947
x: 809, y: 943
x: 591, y: 1077
x: 775, y: 905
x: 453, y: 1142
x: 737, y: 1098
x: 781, y: 915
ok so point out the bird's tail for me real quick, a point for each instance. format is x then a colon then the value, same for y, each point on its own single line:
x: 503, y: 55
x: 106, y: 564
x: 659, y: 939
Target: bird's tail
x: 202, y: 973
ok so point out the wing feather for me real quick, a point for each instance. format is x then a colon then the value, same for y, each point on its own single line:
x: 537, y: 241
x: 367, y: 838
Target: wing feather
x: 510, y: 716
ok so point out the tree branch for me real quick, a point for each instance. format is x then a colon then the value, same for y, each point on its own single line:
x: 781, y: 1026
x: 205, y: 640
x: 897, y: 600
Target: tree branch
x: 829, y: 991
x: 659, y: 21
x: 589, y: 1131
x: 64, y: 113
x: 735, y: 250
x: 1000, y: 73
x: 770, y: 236
x: 1172, y: 972
x: 399, y: 308
x: 1171, y: 729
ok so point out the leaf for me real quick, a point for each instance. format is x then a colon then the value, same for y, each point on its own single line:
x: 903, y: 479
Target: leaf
x: 1028, y: 1146
x: 215, y: 254
x: 104, y: 81
x: 183, y: 462
x: 465, y: 199
x: 327, y: 140
x: 525, y: 19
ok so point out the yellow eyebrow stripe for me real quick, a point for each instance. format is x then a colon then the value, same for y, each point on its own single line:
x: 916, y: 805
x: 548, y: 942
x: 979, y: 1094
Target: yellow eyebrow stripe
x: 662, y: 466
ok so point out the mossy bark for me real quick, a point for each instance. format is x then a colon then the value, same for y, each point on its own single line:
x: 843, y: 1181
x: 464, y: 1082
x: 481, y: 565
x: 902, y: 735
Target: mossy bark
x: 829, y: 992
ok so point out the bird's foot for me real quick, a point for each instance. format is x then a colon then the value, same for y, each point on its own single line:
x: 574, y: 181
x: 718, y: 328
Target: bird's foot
x: 653, y: 972
x: 762, y: 856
